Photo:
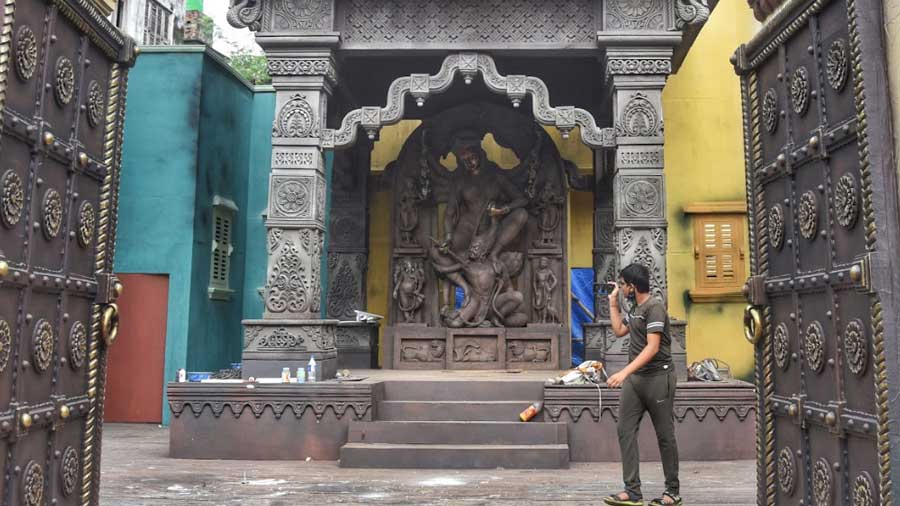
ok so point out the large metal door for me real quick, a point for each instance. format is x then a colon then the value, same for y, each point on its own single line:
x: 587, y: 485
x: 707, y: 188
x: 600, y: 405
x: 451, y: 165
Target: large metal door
x: 62, y: 89
x: 820, y: 232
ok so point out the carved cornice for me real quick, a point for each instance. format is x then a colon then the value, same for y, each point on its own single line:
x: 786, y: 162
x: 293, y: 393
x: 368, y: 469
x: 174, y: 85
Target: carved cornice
x: 324, y: 67
x: 637, y: 66
x: 691, y: 12
x: 698, y: 399
x: 516, y: 87
x: 270, y: 400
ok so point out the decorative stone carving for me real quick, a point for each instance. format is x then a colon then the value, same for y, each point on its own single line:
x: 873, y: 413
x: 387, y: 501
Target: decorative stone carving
x: 345, y: 292
x: 293, y: 284
x: 281, y: 338
x: 641, y: 197
x: 549, y: 211
x: 409, y: 282
x: 474, y: 350
x: 464, y: 23
x: 836, y: 65
x: 846, y: 201
x: 639, y: 118
x: 808, y: 215
x: 787, y: 471
x: 542, y: 295
x: 292, y: 197
x: 293, y: 159
x: 800, y: 90
x: 77, y: 345
x: 823, y: 487
x: 635, y: 15
x: 274, y: 238
x: 640, y: 157
x: 68, y: 470
x: 303, y: 67
x: 245, y: 14
x: 776, y: 226
x: 814, y: 345
x: 52, y: 210
x: 770, y: 110
x: 301, y: 15
x: 638, y: 66
x: 42, y: 346
x: 782, y: 346
x: 863, y: 490
x: 96, y: 103
x: 412, y: 351
x: 856, y: 347
x: 26, y: 52
x: 407, y: 210
x: 65, y: 80
x: 527, y: 350
x: 5, y: 344
x: 33, y: 484
x: 87, y: 220
x: 12, y: 200
x: 690, y: 12
x: 296, y: 118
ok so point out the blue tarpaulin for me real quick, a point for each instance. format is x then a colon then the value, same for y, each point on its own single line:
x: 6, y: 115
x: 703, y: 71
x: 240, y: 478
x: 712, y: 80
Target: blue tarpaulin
x: 582, y: 290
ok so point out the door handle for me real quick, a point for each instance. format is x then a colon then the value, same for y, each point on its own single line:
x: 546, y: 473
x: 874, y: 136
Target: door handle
x: 109, y: 319
x: 753, y: 324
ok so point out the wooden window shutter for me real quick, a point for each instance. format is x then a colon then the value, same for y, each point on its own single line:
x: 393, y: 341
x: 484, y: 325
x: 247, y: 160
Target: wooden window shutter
x: 220, y: 254
x: 719, y: 253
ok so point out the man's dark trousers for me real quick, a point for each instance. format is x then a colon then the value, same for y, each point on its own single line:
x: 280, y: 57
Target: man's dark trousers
x: 655, y: 395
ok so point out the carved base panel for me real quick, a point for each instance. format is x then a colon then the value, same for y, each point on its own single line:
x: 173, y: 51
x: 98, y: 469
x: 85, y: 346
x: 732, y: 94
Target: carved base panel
x: 603, y: 345
x: 712, y: 422
x: 270, y: 345
x: 416, y: 346
x: 536, y: 346
x: 268, y: 422
x: 357, y: 345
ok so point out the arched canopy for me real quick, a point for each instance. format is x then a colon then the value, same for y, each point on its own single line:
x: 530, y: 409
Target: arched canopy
x: 516, y: 87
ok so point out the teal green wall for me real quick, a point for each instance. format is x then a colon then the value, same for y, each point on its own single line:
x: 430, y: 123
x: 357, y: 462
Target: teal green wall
x: 260, y: 135
x: 193, y: 130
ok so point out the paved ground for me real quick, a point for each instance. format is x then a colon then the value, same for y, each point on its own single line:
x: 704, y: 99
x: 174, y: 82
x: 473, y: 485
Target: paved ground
x: 137, y: 472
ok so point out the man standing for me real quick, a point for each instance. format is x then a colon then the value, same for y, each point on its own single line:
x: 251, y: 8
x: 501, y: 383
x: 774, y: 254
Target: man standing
x: 648, y: 385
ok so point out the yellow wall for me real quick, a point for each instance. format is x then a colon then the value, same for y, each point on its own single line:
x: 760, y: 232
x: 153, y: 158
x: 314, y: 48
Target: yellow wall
x: 704, y: 162
x: 892, y: 41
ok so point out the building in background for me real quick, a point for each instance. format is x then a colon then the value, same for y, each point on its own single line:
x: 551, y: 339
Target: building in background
x: 153, y: 22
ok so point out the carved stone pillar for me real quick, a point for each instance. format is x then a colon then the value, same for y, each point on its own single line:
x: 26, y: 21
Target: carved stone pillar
x: 348, y: 248
x: 637, y: 77
x: 292, y: 329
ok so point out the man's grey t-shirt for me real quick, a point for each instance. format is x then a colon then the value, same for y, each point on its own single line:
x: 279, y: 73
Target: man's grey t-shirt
x: 647, y: 318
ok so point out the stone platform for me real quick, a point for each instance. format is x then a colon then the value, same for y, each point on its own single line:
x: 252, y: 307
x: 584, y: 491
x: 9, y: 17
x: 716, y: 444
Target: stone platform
x: 445, y: 419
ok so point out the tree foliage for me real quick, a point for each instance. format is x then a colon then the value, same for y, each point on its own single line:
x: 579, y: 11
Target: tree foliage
x: 251, y: 67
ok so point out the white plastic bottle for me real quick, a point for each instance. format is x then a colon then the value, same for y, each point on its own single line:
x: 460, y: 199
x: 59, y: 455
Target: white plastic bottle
x: 311, y: 370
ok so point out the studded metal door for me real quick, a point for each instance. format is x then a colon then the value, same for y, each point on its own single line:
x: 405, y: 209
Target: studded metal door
x: 815, y: 313
x: 62, y: 88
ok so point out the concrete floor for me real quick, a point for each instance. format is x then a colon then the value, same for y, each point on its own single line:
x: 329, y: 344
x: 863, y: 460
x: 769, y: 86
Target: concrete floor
x: 136, y: 471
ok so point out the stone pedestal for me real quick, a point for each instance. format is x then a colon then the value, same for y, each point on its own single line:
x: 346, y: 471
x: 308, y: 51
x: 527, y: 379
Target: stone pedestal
x: 270, y: 345
x: 357, y: 344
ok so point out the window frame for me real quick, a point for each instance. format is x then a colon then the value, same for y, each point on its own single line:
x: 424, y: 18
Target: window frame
x: 219, y: 288
x: 163, y: 15
x: 701, y: 214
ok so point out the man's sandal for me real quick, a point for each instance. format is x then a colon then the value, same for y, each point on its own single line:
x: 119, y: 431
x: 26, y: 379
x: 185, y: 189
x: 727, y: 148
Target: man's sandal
x: 661, y: 501
x: 616, y: 500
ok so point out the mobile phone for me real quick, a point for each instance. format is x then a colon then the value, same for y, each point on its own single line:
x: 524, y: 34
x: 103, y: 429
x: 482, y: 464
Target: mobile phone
x: 607, y: 287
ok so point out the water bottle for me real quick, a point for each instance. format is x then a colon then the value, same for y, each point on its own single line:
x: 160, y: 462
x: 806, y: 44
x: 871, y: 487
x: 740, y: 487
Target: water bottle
x: 301, y: 375
x: 311, y: 370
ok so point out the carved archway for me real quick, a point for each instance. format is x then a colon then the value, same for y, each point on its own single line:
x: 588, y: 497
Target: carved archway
x: 421, y: 86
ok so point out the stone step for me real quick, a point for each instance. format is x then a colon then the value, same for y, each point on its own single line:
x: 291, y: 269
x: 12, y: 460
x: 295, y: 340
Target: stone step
x: 462, y: 433
x: 463, y: 411
x: 432, y: 456
x: 469, y: 390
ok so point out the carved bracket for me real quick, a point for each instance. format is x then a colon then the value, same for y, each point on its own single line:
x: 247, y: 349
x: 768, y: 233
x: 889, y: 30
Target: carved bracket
x: 516, y: 87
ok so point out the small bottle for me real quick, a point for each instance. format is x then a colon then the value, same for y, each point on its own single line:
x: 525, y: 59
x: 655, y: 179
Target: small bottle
x: 531, y: 411
x: 181, y: 376
x: 301, y: 375
x: 311, y: 370
x: 285, y: 374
